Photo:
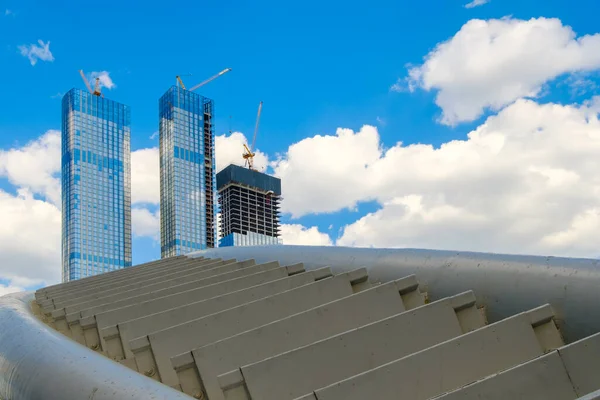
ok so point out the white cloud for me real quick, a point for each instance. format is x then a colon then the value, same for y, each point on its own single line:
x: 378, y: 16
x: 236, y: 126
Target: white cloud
x: 476, y: 3
x: 154, y: 136
x: 329, y: 173
x: 4, y: 289
x: 103, y: 78
x: 229, y: 150
x: 35, y: 166
x: 487, y: 65
x: 145, y: 223
x: 29, y: 240
x: 525, y: 181
x: 299, y: 235
x: 36, y: 52
x: 145, y: 176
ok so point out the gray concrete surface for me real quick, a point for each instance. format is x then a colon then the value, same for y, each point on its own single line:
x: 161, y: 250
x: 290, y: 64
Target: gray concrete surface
x: 97, y: 292
x: 88, y: 324
x: 196, y: 280
x: 506, y: 284
x: 116, y: 338
x: 338, y: 357
x: 198, y: 370
x: 563, y: 374
x: 505, y: 359
x: 37, y: 362
x: 443, y: 367
x: 153, y: 353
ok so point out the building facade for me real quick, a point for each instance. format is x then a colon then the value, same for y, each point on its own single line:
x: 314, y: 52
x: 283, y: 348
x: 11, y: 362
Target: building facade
x: 96, y: 185
x: 187, y: 179
x: 249, y: 207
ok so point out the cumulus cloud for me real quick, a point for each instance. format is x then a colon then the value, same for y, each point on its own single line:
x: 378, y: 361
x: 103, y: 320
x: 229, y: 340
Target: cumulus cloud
x: 36, y: 166
x: 487, y: 65
x: 145, y: 176
x: 145, y: 223
x: 103, y: 78
x: 476, y: 3
x: 29, y: 240
x: 36, y: 52
x: 300, y: 235
x: 525, y: 181
x: 338, y: 175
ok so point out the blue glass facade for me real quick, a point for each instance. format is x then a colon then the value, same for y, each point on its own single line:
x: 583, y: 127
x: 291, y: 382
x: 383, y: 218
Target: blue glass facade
x: 187, y: 179
x: 96, y: 185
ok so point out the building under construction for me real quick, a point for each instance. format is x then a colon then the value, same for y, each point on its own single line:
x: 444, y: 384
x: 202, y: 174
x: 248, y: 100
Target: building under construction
x: 187, y: 178
x: 249, y: 206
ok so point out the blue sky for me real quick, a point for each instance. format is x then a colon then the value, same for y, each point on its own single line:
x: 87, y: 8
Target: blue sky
x: 317, y: 66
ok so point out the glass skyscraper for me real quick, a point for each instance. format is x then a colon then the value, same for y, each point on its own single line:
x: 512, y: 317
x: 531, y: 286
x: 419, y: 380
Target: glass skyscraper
x: 187, y: 178
x: 96, y: 185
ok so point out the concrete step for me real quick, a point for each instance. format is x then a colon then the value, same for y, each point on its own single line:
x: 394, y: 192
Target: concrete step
x: 132, y: 283
x: 118, y: 281
x: 49, y: 291
x: 233, y: 330
x: 112, y: 330
x: 423, y: 374
x: 286, y: 375
x: 563, y: 374
x: 141, y: 268
x: 198, y: 370
x: 67, y: 319
x: 152, y: 353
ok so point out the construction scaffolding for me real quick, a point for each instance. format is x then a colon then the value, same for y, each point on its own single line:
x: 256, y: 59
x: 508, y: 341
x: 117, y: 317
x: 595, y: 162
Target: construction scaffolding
x: 209, y: 173
x: 249, y: 204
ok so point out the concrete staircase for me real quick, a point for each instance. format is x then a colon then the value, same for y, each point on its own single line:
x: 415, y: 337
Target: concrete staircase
x: 236, y: 329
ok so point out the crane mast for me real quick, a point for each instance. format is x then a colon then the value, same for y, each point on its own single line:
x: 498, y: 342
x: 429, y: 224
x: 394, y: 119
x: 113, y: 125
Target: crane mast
x: 96, y: 91
x: 249, y: 152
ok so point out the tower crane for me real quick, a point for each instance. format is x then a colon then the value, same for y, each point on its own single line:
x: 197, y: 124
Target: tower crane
x: 96, y: 91
x: 249, y: 152
x: 179, y: 81
x: 226, y: 70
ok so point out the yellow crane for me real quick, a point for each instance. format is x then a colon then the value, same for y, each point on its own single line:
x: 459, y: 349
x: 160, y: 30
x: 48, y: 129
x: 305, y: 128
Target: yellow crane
x: 179, y: 81
x: 249, y: 152
x: 96, y: 91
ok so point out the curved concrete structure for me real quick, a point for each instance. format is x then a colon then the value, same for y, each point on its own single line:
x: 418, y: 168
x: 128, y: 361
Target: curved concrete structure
x: 37, y: 362
x: 310, y: 323
x: 505, y: 284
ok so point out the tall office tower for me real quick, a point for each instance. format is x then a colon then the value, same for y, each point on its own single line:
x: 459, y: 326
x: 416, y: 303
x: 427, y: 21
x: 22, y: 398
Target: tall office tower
x: 187, y: 178
x: 96, y: 185
x: 249, y: 207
